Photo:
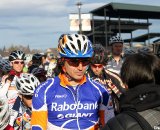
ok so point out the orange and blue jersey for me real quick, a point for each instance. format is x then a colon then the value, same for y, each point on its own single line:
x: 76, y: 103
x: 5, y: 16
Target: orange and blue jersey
x: 57, y: 106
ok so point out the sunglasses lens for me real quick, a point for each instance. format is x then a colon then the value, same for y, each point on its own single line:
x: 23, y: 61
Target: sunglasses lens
x: 95, y: 66
x: 17, y: 62
x: 28, y: 97
x: 76, y: 62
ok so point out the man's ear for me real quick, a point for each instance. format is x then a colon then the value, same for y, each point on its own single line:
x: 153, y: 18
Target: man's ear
x: 64, y: 68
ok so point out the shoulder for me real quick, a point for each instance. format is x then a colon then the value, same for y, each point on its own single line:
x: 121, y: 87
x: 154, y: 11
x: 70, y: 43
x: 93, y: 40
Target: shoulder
x: 44, y: 86
x: 95, y: 84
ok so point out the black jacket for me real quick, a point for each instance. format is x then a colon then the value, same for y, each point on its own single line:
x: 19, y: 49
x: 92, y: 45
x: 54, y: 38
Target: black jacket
x: 139, y: 99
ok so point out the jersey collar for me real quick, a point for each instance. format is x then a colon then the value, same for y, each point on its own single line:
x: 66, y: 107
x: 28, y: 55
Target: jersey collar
x: 64, y: 82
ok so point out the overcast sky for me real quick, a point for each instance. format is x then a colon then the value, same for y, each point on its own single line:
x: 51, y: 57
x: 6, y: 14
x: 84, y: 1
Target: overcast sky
x: 39, y: 23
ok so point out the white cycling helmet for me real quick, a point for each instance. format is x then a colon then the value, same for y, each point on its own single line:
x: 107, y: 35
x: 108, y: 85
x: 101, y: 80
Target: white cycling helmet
x: 5, y: 65
x: 4, y: 114
x: 26, y: 83
x: 38, y: 71
x: 115, y: 39
x: 75, y: 46
x: 17, y: 55
x: 129, y: 51
x: 145, y: 49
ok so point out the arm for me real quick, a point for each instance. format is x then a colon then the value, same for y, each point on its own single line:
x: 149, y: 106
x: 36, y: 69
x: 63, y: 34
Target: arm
x: 39, y: 115
x: 106, y: 110
x: 4, y: 87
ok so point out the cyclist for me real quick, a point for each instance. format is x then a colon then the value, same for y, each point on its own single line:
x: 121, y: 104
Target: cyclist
x: 4, y: 68
x: 26, y: 84
x: 4, y: 110
x: 40, y: 73
x: 140, y: 104
x: 128, y: 52
x: 115, y: 61
x: 110, y: 80
x: 36, y: 61
x: 16, y: 59
x: 70, y: 100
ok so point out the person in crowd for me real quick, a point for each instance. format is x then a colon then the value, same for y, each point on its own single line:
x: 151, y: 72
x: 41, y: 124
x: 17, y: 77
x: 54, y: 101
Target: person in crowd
x: 140, y: 104
x: 70, y: 100
x: 49, y: 56
x: 115, y: 60
x: 128, y: 52
x: 4, y: 110
x: 44, y: 56
x: 26, y: 84
x: 4, y: 68
x: 40, y: 73
x: 110, y: 80
x: 16, y: 59
x: 36, y: 61
x: 51, y: 68
x: 145, y: 49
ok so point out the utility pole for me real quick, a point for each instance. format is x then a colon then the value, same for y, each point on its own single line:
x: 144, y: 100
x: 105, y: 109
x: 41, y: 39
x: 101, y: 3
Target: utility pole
x: 79, y: 4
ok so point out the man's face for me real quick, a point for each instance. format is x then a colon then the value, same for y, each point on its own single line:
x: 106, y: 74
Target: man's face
x: 17, y: 65
x: 76, y: 67
x: 97, y: 69
x: 27, y: 100
x: 117, y: 48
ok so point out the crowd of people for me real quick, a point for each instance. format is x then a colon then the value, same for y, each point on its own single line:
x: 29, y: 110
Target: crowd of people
x: 86, y: 88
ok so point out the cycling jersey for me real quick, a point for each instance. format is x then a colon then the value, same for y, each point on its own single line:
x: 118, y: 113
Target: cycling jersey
x: 113, y: 65
x: 22, y: 116
x: 56, y: 105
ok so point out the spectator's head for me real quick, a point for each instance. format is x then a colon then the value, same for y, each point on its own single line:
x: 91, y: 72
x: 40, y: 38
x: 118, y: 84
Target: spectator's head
x: 75, y: 51
x: 49, y: 54
x: 16, y: 59
x: 26, y: 84
x: 99, y: 59
x: 37, y: 59
x: 4, y: 67
x: 40, y: 73
x: 140, y: 69
x: 117, y: 45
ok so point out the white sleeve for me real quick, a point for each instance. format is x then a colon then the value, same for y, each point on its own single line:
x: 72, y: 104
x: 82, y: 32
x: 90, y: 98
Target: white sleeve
x: 4, y: 90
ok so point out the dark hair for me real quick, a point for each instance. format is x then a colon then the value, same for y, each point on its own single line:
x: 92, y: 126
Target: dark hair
x: 139, y: 69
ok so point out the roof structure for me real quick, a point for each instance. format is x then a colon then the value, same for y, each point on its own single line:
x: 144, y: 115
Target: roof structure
x: 143, y: 37
x: 106, y: 27
x: 127, y: 26
x: 123, y: 10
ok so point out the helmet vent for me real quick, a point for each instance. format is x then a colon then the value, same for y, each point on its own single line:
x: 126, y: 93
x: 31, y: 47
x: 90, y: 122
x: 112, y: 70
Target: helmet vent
x: 73, y: 47
x: 67, y: 47
x: 79, y: 44
x: 27, y: 81
x: 83, y: 37
x: 70, y: 38
x: 32, y: 79
x: 62, y: 50
x: 85, y: 46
